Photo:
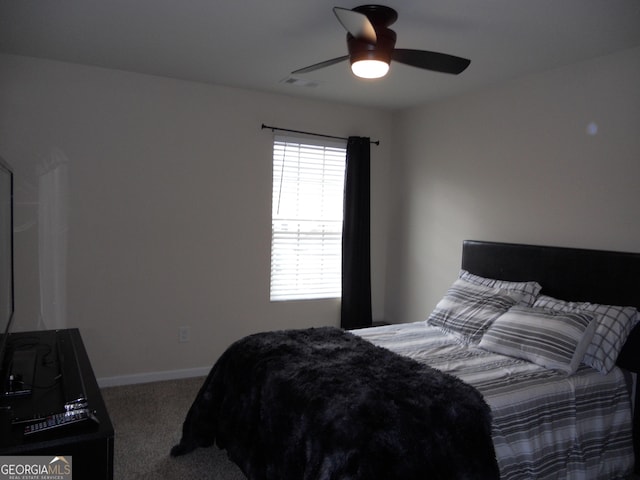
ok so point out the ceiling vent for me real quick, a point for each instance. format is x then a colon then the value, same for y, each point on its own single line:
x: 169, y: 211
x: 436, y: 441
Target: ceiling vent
x: 299, y: 82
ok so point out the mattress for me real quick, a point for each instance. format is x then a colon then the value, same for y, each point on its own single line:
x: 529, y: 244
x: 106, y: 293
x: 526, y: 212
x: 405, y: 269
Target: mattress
x: 545, y: 425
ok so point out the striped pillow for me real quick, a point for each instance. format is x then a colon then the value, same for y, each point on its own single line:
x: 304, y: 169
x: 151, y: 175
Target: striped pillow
x: 554, y: 340
x: 529, y: 290
x: 467, y: 309
x: 613, y: 325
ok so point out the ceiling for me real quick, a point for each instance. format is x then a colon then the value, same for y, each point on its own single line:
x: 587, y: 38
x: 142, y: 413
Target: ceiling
x: 255, y: 44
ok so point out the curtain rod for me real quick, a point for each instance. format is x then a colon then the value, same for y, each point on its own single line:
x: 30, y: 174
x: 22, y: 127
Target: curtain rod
x: 377, y: 142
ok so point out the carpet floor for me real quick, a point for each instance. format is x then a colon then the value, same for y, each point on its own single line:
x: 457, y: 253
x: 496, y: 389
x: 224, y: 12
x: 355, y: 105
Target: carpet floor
x: 147, y: 419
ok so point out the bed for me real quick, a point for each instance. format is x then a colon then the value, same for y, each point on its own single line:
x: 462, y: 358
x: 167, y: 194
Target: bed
x: 455, y: 396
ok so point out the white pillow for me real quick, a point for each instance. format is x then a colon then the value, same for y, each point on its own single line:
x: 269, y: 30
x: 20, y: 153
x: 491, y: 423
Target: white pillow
x: 613, y: 325
x: 468, y: 309
x: 554, y: 340
x: 529, y: 290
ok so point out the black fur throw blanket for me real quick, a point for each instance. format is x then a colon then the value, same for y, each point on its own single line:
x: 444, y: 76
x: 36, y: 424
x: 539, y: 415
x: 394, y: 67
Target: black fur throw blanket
x: 324, y: 404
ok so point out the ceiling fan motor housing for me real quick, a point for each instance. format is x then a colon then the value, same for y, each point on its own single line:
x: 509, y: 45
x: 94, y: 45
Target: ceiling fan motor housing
x: 382, y: 50
x: 379, y: 15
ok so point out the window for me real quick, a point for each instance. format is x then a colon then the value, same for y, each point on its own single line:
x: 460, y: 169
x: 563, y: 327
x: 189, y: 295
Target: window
x: 306, y: 228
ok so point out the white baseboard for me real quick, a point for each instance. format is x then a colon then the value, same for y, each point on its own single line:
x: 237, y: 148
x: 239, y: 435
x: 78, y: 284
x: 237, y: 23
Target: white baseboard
x: 152, y: 377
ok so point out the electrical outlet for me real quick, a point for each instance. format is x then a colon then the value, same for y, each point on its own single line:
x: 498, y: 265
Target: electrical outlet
x: 184, y: 334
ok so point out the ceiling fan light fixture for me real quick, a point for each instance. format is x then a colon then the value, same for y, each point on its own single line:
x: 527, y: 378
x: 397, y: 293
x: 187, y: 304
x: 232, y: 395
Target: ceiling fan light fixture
x: 369, y: 68
x: 371, y: 60
x: 372, y: 46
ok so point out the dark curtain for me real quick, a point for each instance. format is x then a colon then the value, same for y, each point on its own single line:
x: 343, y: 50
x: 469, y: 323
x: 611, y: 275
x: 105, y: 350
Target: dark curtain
x: 356, y: 247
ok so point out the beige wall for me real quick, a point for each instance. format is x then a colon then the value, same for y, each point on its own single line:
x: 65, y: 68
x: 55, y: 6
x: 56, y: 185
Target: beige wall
x: 167, y: 198
x: 168, y: 195
x: 515, y: 163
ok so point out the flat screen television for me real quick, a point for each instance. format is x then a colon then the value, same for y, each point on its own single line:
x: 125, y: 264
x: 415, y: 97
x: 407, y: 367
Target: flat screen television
x: 6, y: 255
x: 16, y: 367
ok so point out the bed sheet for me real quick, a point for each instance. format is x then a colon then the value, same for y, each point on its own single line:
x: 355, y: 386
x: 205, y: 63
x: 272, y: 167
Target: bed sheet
x: 545, y: 425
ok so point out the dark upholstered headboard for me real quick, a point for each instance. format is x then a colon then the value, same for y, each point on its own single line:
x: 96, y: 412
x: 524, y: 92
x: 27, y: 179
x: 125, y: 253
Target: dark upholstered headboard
x: 597, y: 276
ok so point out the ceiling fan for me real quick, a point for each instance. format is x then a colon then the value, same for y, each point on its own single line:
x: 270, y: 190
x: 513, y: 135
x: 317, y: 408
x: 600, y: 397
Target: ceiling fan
x: 371, y: 45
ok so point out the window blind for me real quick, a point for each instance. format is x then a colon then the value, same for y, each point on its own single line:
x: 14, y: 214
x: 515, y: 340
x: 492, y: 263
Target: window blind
x: 306, y: 240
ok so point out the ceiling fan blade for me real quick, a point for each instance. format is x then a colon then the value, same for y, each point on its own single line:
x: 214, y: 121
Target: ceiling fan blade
x: 438, y: 62
x: 357, y: 24
x: 326, y: 63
